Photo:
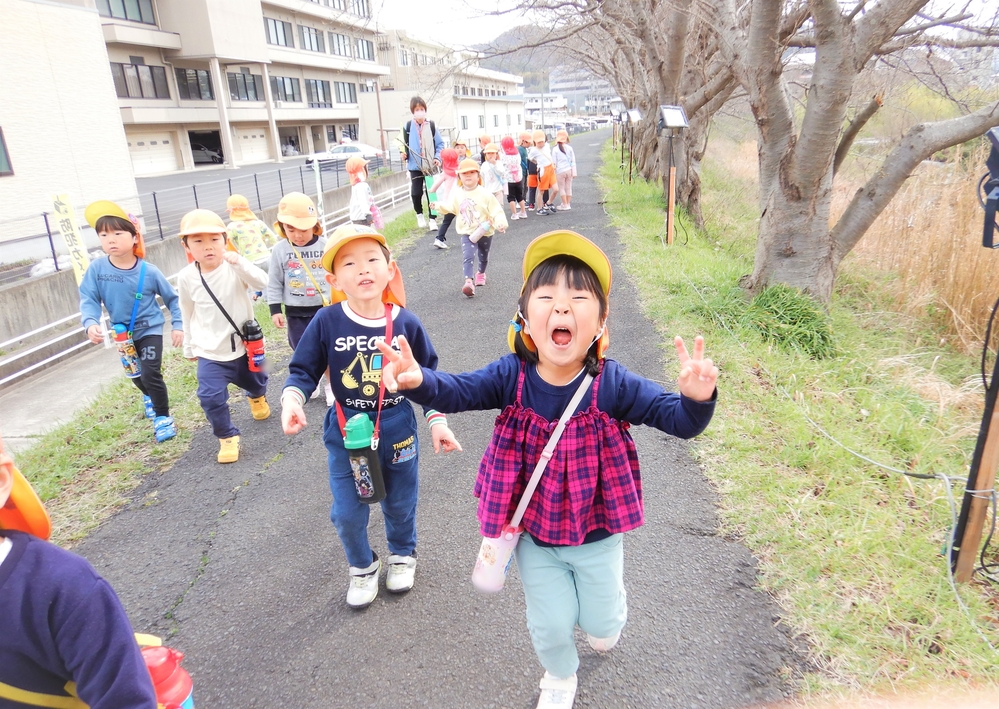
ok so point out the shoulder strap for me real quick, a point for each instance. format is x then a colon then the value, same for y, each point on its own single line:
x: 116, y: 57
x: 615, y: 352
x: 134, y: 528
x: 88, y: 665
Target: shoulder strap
x: 138, y: 296
x: 239, y: 333
x: 433, y: 128
x: 548, y: 451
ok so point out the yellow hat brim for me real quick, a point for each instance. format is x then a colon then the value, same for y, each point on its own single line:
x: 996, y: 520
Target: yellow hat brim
x: 103, y: 208
x: 344, y: 234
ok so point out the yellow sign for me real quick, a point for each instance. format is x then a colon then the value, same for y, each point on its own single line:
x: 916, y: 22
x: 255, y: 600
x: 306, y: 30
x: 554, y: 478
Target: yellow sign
x: 66, y: 221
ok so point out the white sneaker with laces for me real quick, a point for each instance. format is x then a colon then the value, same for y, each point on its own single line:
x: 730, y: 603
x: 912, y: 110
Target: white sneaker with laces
x: 557, y: 693
x: 400, y: 574
x: 421, y: 221
x: 603, y: 644
x: 440, y: 244
x: 432, y: 224
x: 363, y: 584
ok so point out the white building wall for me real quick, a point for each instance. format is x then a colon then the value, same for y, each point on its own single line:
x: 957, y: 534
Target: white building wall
x: 58, y: 111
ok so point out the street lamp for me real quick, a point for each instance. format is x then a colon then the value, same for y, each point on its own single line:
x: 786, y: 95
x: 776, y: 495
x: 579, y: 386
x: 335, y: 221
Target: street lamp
x: 674, y: 120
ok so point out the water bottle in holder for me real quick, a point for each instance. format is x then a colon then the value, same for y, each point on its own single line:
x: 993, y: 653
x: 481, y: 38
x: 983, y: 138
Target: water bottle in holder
x: 253, y: 339
x: 495, y: 557
x: 364, y: 464
x: 126, y: 350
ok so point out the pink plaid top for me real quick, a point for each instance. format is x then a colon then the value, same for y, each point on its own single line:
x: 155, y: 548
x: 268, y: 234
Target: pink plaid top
x: 592, y: 481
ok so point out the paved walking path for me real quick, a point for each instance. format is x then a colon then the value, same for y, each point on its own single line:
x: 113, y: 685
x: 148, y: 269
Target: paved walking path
x: 242, y: 565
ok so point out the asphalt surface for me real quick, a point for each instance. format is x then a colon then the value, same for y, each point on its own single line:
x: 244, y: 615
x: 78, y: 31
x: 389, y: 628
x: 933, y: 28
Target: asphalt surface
x: 240, y: 565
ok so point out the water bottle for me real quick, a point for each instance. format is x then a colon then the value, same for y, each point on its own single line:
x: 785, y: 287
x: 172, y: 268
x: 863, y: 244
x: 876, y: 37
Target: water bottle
x: 362, y: 450
x: 253, y: 338
x: 126, y: 350
x: 171, y: 682
x: 479, y: 232
x: 493, y: 563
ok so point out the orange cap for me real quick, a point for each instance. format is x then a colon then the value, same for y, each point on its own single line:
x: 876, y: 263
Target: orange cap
x: 394, y: 292
x: 562, y: 137
x: 468, y: 165
x: 238, y: 207
x: 491, y: 148
x: 298, y: 210
x: 201, y: 221
x: 22, y: 510
x: 539, y: 135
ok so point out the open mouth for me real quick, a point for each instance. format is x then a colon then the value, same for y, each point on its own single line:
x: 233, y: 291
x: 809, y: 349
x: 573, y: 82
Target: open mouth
x: 366, y: 282
x: 561, y: 336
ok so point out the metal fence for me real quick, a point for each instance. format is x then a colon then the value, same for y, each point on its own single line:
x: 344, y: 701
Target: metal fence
x: 36, y: 247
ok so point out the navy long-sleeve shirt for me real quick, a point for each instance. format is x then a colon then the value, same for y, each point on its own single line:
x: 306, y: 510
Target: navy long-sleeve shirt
x: 116, y: 287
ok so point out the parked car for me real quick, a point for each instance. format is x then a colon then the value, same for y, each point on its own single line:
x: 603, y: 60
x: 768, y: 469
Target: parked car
x: 337, y: 155
x: 202, y: 154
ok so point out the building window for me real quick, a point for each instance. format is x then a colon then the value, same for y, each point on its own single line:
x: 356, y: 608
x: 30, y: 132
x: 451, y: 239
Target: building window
x: 337, y: 4
x: 518, y: 119
x: 194, y: 84
x: 366, y: 87
x: 480, y: 91
x: 464, y: 91
x: 286, y: 88
x: 5, y: 168
x: 365, y: 50
x: 496, y: 121
x: 349, y: 131
x: 317, y: 93
x: 403, y: 57
x: 457, y: 90
x: 492, y: 92
x: 133, y: 10
x: 312, y: 39
x: 279, y: 33
x: 509, y: 119
x: 482, y: 121
x: 339, y: 44
x: 464, y: 122
x: 504, y: 93
x: 245, y: 86
x: 345, y: 92
x: 139, y: 81
x: 361, y: 8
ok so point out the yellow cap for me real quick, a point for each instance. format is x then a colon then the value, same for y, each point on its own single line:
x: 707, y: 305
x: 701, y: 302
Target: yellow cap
x: 298, y: 210
x: 394, y: 292
x: 468, y: 165
x: 103, y: 208
x: 23, y: 510
x: 354, y: 164
x: 562, y: 137
x: 201, y: 221
x: 238, y: 207
x: 538, y: 135
x: 491, y: 148
x: 558, y: 243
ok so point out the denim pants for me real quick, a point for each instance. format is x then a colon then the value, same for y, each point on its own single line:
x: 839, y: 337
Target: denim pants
x: 214, y: 378
x: 398, y: 453
x: 468, y: 251
x: 569, y: 586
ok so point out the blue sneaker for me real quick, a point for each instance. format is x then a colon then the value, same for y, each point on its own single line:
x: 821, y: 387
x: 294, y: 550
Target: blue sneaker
x: 150, y: 411
x: 164, y: 428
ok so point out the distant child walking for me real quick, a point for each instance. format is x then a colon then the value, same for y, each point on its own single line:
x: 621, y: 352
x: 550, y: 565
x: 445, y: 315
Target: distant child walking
x: 478, y: 215
x: 515, y: 178
x: 248, y: 236
x: 494, y: 177
x: 444, y: 185
x: 570, y: 556
x: 217, y: 310
x: 127, y: 285
x: 367, y: 288
x: 363, y: 209
x: 527, y: 143
x: 565, y: 169
x: 542, y: 155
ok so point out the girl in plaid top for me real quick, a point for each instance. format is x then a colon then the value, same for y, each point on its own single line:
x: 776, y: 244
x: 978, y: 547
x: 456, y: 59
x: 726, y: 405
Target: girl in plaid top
x: 571, y: 557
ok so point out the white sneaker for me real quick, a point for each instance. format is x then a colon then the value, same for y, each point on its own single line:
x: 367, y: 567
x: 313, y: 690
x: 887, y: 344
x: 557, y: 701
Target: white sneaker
x: 432, y: 224
x: 513, y: 216
x: 440, y: 244
x: 557, y: 693
x: 421, y: 221
x: 603, y: 644
x: 363, y: 585
x: 400, y: 574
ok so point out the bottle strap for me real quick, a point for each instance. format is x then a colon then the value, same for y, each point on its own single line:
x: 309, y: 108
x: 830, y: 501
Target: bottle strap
x: 548, y: 451
x: 341, y: 419
x: 308, y: 271
x: 238, y: 332
x: 138, y: 297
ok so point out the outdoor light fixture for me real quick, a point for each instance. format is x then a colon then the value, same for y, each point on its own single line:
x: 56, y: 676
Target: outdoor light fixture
x: 634, y: 115
x: 672, y: 117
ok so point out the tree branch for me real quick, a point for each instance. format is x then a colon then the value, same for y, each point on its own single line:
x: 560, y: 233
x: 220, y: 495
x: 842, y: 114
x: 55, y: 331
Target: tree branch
x: 853, y: 130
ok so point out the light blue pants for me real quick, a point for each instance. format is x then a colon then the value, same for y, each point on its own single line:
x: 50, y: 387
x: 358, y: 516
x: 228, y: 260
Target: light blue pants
x: 569, y: 586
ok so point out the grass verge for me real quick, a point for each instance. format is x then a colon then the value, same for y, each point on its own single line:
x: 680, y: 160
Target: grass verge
x: 850, y: 551
x: 85, y: 468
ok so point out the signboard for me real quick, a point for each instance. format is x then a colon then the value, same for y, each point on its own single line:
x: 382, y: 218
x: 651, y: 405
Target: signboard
x: 65, y: 219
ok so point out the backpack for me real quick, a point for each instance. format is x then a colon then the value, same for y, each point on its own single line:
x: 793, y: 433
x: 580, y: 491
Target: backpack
x: 513, y: 167
x: 405, y: 133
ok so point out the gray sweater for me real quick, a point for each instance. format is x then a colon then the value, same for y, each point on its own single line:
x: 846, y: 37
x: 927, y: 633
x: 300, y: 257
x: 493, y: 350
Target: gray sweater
x: 289, y: 284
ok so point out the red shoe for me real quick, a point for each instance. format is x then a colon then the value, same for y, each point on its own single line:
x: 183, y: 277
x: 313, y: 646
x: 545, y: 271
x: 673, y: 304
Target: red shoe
x: 469, y: 288
x: 480, y: 280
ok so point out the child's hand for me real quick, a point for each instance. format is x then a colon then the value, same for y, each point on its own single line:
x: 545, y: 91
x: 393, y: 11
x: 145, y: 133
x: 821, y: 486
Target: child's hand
x: 444, y: 439
x: 292, y: 416
x: 230, y: 257
x: 698, y: 376
x: 501, y: 229
x: 95, y: 334
x: 402, y: 370
x: 177, y: 338
x: 278, y: 319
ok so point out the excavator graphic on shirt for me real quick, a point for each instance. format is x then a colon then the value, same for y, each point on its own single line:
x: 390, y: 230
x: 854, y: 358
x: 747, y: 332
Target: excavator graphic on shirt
x: 370, y: 373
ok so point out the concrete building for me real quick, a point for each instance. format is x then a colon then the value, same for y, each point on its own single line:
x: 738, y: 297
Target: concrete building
x: 549, y: 110
x: 585, y: 93
x: 461, y: 96
x: 239, y: 81
x: 60, y: 131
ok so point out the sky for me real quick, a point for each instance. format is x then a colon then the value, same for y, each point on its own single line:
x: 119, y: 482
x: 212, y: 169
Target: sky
x: 451, y: 22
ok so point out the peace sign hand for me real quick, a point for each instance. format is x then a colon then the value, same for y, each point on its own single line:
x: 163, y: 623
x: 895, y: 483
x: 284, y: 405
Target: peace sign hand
x: 401, y: 371
x: 698, y: 376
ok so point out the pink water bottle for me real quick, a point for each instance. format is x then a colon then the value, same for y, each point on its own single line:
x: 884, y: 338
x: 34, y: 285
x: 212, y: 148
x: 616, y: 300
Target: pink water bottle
x: 479, y: 232
x: 494, y: 560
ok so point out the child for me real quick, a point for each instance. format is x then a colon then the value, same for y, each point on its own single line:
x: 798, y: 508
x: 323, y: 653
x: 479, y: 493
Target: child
x: 494, y: 177
x: 115, y: 282
x: 542, y: 156
x: 215, y: 306
x: 478, y: 215
x: 571, y: 556
x: 443, y: 187
x: 523, y: 143
x: 565, y: 169
x: 461, y: 147
x: 362, y: 202
x: 515, y: 181
x: 248, y: 236
x: 484, y: 140
x: 532, y: 170
x: 66, y: 641
x: 367, y: 288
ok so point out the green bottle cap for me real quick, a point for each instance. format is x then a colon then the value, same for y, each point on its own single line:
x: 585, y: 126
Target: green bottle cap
x: 359, y: 432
